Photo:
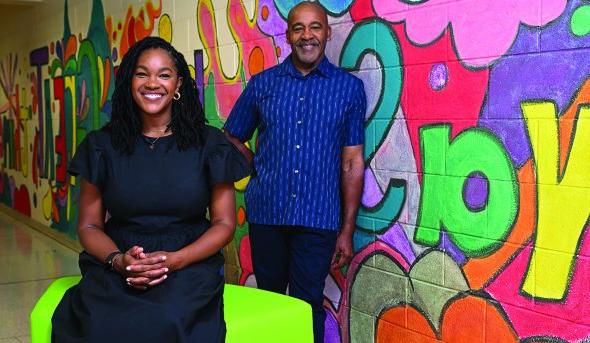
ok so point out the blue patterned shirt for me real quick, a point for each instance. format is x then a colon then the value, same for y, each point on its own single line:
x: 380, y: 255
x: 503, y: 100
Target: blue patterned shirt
x: 303, y: 123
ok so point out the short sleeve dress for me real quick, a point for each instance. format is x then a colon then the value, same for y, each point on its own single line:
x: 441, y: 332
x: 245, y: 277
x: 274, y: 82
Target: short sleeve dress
x: 157, y: 198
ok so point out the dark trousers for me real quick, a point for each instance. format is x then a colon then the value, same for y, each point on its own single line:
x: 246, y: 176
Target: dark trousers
x: 296, y: 256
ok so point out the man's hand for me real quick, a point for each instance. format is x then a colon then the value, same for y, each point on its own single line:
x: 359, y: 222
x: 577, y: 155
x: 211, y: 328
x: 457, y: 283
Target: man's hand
x: 342, y: 251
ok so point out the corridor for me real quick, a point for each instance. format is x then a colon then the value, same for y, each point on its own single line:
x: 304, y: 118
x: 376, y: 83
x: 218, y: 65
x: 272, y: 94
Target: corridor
x: 29, y: 261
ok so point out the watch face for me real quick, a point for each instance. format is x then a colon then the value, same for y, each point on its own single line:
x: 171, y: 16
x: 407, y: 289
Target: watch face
x: 111, y: 258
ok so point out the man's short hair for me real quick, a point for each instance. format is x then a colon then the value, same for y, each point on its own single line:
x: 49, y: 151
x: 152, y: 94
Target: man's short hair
x: 306, y: 3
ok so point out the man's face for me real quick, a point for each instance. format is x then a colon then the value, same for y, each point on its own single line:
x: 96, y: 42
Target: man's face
x: 307, y: 32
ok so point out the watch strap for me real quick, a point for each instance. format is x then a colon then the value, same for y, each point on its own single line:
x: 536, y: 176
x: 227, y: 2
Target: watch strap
x: 110, y: 259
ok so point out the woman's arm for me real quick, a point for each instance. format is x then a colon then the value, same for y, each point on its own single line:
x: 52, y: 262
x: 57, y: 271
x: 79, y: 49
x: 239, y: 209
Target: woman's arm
x: 90, y: 228
x: 96, y: 242
x: 223, y: 224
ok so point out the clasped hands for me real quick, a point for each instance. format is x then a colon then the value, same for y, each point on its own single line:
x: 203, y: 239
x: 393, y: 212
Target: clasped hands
x: 144, y: 270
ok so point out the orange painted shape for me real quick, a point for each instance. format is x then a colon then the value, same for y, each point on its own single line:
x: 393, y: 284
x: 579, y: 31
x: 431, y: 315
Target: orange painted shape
x: 496, y: 328
x: 107, y: 80
x: 472, y: 319
x: 144, y: 24
x: 397, y: 315
x: 125, y: 44
x: 264, y: 12
x: 388, y: 333
x: 480, y: 271
x: 466, y: 319
x: 109, y: 28
x: 256, y: 61
x: 391, y: 326
x: 71, y: 47
x: 241, y: 216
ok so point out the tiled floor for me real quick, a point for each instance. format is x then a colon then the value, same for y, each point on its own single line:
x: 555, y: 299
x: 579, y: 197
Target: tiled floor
x: 29, y: 261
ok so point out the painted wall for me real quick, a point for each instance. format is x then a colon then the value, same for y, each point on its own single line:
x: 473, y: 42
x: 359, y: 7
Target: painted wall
x: 477, y: 192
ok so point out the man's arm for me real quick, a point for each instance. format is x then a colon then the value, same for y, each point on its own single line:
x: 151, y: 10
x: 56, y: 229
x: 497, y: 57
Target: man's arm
x: 243, y: 119
x: 240, y: 145
x: 351, y: 184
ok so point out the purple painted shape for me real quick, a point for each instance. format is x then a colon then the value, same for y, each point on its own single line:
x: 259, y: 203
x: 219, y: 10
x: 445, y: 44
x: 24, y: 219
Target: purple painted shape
x: 274, y: 26
x: 439, y: 75
x: 560, y: 36
x: 396, y: 238
x: 62, y: 201
x: 475, y: 191
x: 372, y: 194
x: 59, y: 50
x: 12, y: 187
x: 39, y: 58
x: 199, y: 75
x: 115, y: 54
x: 451, y: 249
x: 554, y: 76
x: 332, y: 330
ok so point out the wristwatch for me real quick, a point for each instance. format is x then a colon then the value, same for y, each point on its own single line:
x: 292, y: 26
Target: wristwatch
x: 111, y: 258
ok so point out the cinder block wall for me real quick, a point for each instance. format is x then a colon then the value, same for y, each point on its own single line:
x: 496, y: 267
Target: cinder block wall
x: 477, y: 190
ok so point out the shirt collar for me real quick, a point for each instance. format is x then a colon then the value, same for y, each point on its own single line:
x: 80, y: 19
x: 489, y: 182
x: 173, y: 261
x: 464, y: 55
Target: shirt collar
x: 325, y: 68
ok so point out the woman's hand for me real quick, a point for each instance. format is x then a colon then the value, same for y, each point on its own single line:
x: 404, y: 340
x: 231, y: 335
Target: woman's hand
x: 141, y: 271
x: 174, y: 260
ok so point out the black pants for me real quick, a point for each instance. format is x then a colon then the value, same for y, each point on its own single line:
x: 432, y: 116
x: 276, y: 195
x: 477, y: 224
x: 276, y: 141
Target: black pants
x: 296, y: 256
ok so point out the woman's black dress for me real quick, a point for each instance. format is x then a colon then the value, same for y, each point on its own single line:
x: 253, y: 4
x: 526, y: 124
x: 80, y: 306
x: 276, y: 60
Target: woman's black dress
x: 157, y: 199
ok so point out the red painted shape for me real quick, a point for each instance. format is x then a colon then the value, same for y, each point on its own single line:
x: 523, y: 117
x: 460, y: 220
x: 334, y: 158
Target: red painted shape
x: 131, y: 32
x: 35, y: 164
x: 60, y: 139
x: 361, y: 10
x: 22, y: 203
x: 458, y: 103
x: 245, y: 259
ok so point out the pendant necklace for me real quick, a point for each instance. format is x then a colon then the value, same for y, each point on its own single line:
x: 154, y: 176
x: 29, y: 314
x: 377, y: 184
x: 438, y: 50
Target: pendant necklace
x: 151, y: 143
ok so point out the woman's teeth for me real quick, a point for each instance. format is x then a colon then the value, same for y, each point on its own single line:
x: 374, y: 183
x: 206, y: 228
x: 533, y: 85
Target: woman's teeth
x: 153, y: 96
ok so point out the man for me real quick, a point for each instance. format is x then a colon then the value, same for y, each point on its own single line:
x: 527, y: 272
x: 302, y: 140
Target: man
x: 304, y: 194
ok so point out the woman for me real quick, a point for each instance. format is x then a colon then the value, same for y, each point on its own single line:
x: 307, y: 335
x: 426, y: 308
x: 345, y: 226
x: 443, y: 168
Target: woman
x: 152, y: 271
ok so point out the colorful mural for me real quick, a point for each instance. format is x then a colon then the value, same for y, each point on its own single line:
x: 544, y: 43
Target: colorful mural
x: 476, y: 206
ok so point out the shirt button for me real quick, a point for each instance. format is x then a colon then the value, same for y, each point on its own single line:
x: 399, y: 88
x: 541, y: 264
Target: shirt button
x: 299, y: 122
x: 293, y: 195
x: 296, y: 171
x: 301, y: 98
x: 297, y: 146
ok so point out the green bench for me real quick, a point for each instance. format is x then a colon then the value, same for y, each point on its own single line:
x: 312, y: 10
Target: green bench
x: 251, y: 315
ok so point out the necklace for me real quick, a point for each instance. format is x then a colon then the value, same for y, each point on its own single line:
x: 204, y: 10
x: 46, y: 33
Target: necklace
x: 151, y: 143
x: 158, y: 130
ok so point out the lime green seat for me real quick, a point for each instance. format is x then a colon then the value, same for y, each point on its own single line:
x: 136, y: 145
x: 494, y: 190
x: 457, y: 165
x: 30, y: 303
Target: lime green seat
x: 251, y: 315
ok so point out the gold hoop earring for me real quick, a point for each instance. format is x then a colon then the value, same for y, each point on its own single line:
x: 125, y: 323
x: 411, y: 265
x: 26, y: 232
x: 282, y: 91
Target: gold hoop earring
x: 176, y: 95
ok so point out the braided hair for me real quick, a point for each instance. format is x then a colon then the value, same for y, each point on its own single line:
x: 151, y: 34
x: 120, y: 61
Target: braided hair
x: 188, y: 119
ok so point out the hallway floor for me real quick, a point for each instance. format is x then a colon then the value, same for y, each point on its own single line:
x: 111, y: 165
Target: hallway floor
x: 29, y: 261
